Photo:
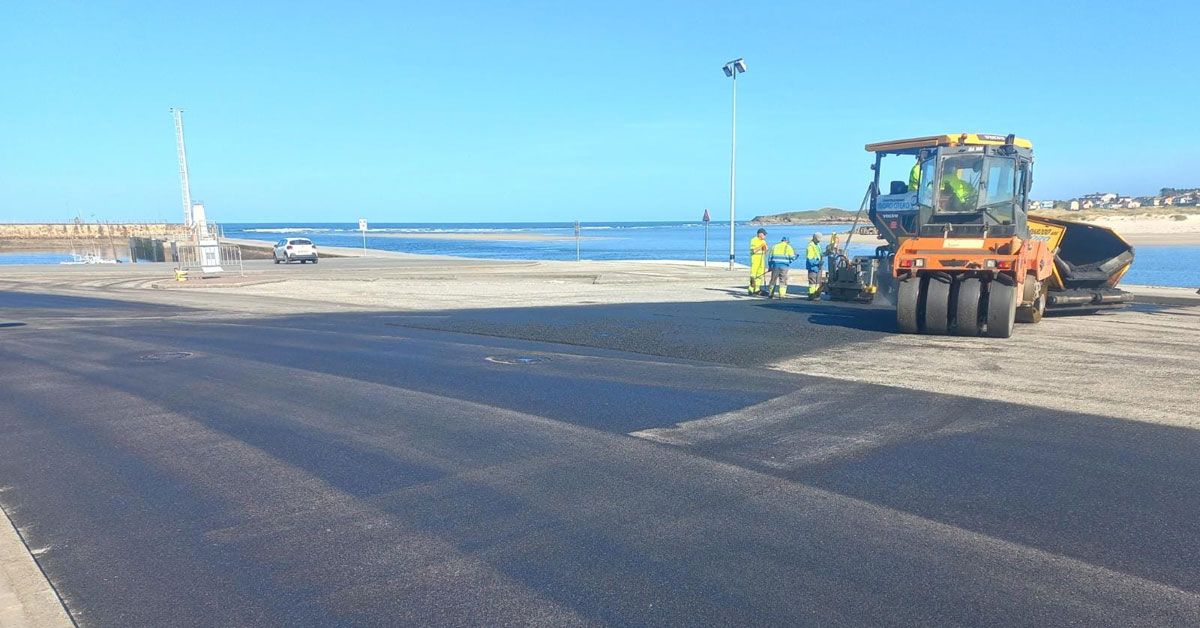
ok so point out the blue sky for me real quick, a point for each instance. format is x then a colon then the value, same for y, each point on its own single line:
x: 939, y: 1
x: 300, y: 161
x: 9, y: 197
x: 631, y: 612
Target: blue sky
x: 551, y: 111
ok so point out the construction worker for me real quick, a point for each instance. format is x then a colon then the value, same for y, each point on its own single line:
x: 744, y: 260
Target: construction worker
x: 779, y: 260
x: 914, y: 176
x: 832, y: 251
x: 812, y: 260
x: 957, y: 193
x: 758, y: 264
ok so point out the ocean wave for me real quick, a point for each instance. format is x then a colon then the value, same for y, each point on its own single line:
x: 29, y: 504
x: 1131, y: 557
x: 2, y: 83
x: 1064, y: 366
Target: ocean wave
x: 333, y: 230
x: 442, y: 230
x: 480, y: 229
x: 621, y: 227
x: 637, y: 227
x: 289, y: 230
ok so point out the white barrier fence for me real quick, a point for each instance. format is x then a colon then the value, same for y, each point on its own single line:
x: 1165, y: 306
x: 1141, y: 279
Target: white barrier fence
x: 191, y: 257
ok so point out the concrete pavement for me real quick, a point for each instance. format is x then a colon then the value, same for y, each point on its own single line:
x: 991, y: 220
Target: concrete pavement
x: 27, y: 599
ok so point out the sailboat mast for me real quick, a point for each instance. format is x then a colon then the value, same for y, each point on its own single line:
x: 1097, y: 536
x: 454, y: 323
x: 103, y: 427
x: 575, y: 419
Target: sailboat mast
x: 177, y: 114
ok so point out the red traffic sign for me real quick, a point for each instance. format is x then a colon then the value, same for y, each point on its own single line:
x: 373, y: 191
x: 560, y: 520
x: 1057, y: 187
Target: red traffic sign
x: 706, y: 218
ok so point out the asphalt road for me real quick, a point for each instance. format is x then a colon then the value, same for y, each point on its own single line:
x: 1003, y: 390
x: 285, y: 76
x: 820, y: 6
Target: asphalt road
x: 611, y: 464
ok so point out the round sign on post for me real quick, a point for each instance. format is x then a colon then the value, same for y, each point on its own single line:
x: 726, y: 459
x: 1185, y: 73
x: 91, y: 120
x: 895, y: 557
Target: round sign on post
x: 362, y: 226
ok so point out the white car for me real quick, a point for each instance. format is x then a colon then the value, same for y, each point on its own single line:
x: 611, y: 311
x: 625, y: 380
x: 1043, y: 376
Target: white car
x: 295, y: 249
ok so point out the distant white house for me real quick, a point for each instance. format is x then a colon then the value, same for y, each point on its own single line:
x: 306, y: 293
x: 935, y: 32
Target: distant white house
x: 1100, y: 197
x: 1074, y: 206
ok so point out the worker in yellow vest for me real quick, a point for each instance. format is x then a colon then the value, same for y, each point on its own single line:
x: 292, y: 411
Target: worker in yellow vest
x: 832, y: 251
x: 758, y: 263
x: 812, y: 261
x: 779, y: 261
x: 959, y: 195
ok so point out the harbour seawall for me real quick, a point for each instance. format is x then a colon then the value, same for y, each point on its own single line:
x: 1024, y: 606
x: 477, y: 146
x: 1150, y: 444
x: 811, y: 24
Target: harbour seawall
x: 43, y: 233
x: 142, y: 241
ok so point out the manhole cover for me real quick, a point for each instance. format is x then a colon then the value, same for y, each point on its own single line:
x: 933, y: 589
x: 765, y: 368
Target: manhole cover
x: 164, y: 356
x: 12, y: 324
x: 509, y: 359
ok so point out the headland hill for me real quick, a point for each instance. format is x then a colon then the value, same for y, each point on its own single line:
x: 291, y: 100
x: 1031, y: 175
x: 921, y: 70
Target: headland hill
x: 823, y: 216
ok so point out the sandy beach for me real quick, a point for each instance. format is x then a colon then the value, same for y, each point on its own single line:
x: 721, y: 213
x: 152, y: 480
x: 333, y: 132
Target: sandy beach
x: 1155, y: 230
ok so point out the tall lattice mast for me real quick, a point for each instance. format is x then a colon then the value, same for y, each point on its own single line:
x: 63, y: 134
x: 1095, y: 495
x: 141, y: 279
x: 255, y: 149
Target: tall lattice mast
x: 183, y: 167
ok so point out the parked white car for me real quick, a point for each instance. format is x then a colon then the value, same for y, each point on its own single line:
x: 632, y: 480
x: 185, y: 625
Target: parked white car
x: 300, y: 250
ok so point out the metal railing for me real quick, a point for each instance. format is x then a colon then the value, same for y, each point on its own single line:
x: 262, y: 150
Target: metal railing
x: 233, y: 253
x: 189, y: 257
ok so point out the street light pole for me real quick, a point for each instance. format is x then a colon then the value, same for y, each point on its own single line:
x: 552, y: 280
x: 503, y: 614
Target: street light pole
x: 732, y: 69
x: 733, y: 174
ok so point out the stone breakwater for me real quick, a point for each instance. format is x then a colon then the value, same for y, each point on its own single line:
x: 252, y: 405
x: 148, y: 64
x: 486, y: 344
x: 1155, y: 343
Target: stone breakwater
x: 86, y: 231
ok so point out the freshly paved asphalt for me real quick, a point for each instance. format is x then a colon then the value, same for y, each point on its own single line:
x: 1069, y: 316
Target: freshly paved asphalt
x: 561, y: 466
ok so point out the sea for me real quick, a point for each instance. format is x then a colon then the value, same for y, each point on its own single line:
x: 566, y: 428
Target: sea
x: 1153, y: 265
x: 597, y: 241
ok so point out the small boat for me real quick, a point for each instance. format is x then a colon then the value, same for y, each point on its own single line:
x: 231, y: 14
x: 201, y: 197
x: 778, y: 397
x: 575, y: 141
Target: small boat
x: 90, y: 258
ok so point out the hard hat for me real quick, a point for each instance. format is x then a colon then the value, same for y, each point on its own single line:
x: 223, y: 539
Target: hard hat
x: 816, y: 237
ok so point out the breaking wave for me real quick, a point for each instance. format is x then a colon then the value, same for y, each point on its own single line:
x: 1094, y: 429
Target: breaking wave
x: 290, y: 230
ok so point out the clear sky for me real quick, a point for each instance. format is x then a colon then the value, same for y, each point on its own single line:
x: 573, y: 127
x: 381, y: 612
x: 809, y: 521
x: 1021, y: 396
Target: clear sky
x: 551, y: 111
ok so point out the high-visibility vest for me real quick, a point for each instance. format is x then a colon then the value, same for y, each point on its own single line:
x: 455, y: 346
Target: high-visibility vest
x: 813, y: 256
x: 914, y: 177
x: 758, y: 245
x: 956, y: 186
x: 782, y: 254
